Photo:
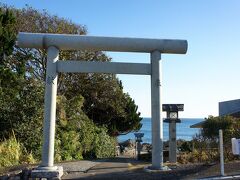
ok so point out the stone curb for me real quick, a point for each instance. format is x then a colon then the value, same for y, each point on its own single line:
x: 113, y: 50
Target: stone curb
x: 221, y: 177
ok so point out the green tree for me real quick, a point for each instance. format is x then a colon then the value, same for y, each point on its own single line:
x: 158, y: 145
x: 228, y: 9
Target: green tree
x: 130, y: 119
x: 105, y: 102
x: 7, y: 33
x: 99, y: 106
x: 9, y: 85
x: 207, y: 141
x: 228, y: 124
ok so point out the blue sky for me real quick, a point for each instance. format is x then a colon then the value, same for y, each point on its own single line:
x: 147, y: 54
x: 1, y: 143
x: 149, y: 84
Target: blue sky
x: 207, y: 74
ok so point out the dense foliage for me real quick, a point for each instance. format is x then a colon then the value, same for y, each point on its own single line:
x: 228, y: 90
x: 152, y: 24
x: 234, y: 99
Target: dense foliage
x: 77, y: 136
x: 90, y: 109
x: 229, y: 125
x: 205, y: 145
x: 7, y: 34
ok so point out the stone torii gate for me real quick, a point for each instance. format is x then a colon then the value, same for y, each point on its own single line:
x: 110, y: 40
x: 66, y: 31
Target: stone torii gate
x: 55, y: 42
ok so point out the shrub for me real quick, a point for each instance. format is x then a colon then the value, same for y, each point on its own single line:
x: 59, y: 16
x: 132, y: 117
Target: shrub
x: 184, y: 146
x: 104, y: 145
x: 206, y: 143
x: 77, y: 136
x: 10, y: 151
x: 13, y: 153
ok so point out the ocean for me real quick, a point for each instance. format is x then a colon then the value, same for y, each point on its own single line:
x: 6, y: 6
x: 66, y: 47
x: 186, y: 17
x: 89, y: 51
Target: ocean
x: 183, y: 130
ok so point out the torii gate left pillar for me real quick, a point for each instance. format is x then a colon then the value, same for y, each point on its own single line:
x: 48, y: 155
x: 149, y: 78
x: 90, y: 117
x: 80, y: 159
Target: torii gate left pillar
x: 54, y: 42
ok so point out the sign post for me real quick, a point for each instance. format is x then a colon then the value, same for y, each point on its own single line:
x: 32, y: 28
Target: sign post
x: 221, y: 152
x: 138, y: 140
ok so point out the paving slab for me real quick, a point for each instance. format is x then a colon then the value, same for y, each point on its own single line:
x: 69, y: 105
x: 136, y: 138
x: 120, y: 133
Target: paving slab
x: 77, y: 166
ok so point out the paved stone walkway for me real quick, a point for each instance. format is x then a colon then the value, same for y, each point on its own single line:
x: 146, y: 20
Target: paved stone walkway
x: 107, y: 168
x: 126, y: 168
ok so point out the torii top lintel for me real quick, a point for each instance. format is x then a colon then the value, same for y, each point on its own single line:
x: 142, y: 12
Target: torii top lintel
x: 97, y: 43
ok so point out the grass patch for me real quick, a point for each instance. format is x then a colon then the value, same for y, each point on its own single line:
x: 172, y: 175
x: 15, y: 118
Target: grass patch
x: 13, y: 153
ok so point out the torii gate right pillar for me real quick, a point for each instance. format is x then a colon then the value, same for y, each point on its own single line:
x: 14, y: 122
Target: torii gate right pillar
x: 156, y: 104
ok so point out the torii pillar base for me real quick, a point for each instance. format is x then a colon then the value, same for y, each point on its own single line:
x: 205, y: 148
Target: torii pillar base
x: 54, y: 173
